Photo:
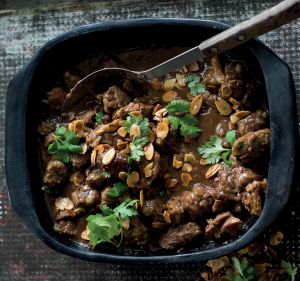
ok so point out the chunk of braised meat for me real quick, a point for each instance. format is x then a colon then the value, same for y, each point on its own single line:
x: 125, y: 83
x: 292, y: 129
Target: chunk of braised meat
x: 88, y: 117
x: 153, y: 207
x: 85, y: 196
x: 222, y: 128
x: 47, y: 127
x: 56, y: 173
x: 64, y: 214
x: 233, y: 71
x: 214, y: 74
x: 145, y: 182
x: 105, y: 198
x: 56, y: 97
x: 95, y: 177
x: 144, y: 109
x: 223, y: 223
x: 78, y: 161
x: 251, y: 198
x: 65, y: 227
x: 209, y: 98
x: 179, y: 236
x: 252, y: 145
x: 70, y: 79
x: 109, y: 60
x: 114, y: 98
x: 137, y: 233
x: 191, y: 203
x: 252, y: 122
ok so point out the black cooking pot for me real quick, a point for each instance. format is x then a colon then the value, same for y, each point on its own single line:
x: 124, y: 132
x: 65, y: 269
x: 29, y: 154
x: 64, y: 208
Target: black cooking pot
x: 26, y: 89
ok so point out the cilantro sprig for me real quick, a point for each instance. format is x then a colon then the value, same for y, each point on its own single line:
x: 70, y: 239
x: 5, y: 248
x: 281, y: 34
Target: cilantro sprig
x: 195, y: 86
x: 138, y: 143
x: 99, y: 117
x: 64, y: 143
x: 118, y: 189
x: 180, y: 118
x: 243, y: 270
x: 106, y: 227
x: 214, y: 152
x: 290, y: 269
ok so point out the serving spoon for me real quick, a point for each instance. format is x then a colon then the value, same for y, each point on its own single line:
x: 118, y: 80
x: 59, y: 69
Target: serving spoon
x: 282, y: 13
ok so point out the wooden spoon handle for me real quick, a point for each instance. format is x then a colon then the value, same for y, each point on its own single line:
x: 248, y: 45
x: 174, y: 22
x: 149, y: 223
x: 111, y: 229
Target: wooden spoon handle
x: 276, y: 16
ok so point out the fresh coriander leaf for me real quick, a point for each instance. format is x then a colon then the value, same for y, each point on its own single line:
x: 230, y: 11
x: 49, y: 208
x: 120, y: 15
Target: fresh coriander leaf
x: 106, y: 211
x: 126, y: 210
x: 195, y: 86
x: 137, y: 149
x: 106, y: 174
x: 99, y: 117
x: 174, y: 121
x: 178, y: 106
x: 238, y: 267
x: 118, y: 189
x: 130, y: 120
x: 225, y: 158
x: 189, y: 126
x: 64, y: 143
x: 290, y: 269
x: 231, y: 136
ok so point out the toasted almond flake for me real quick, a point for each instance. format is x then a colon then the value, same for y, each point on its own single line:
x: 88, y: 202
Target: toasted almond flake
x: 276, y: 238
x: 193, y: 67
x: 231, y: 126
x: 133, y: 178
x: 160, y: 113
x: 148, y: 170
x: 77, y: 126
x: 187, y: 167
x: 156, y: 84
x: 142, y: 198
x: 84, y: 148
x: 123, y: 175
x: 223, y: 106
x: 180, y: 79
x: 213, y: 170
x: 93, y: 157
x: 225, y: 91
x: 157, y: 108
x: 190, y: 158
x: 110, y: 127
x: 121, y: 144
x: 196, y: 104
x: 237, y: 116
x: 122, y: 132
x: 149, y: 151
x: 176, y: 162
x: 171, y: 183
x: 135, y: 130
x: 216, y: 264
x: 162, y: 129
x: 169, y: 84
x: 186, y: 178
x: 166, y: 216
x: 85, y: 234
x: 184, y: 69
x: 155, y: 118
x: 234, y: 102
x: 64, y: 203
x: 202, y: 162
x: 109, y: 156
x: 169, y: 95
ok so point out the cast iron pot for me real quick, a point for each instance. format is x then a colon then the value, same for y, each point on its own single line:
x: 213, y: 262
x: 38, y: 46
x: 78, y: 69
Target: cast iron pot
x: 25, y: 90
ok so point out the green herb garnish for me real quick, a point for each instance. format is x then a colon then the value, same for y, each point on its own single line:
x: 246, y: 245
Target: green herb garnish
x: 243, y: 270
x: 65, y: 142
x: 180, y: 118
x: 99, y: 117
x: 106, y: 227
x: 106, y: 174
x: 290, y: 269
x: 194, y: 84
x: 118, y: 189
x: 213, y: 151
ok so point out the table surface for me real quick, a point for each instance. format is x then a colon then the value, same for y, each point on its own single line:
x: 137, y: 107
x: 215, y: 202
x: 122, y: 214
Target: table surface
x: 26, y: 27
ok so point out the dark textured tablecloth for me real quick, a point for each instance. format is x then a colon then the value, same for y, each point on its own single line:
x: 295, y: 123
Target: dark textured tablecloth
x: 22, y: 32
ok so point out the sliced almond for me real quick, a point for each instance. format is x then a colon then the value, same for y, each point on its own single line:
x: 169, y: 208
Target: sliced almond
x: 184, y: 69
x: 157, y: 107
x: 187, y: 167
x: 276, y: 238
x: 109, y: 156
x: 123, y: 175
x: 85, y: 234
x: 196, y: 104
x: 217, y: 264
x: 213, y: 170
x: 231, y: 126
x: 135, y: 130
x: 161, y: 112
x: 148, y: 170
x: 77, y: 126
x: 237, y: 116
x: 110, y: 127
x: 225, y: 91
x: 156, y: 84
x: 203, y: 162
x: 93, y: 157
x: 132, y: 179
x: 142, y: 198
x: 162, y: 129
x: 64, y: 203
x: 166, y: 216
x: 169, y: 95
x: 223, y: 106
x: 84, y: 148
x: 235, y: 103
x: 171, y: 183
x: 193, y: 67
x: 190, y: 158
x: 176, y: 162
x: 122, y: 132
x: 149, y: 151
x: 121, y: 144
x: 180, y: 79
x: 169, y: 84
x: 186, y: 178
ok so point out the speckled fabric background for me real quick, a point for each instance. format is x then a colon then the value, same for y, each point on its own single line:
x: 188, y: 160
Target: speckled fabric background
x: 22, y: 32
